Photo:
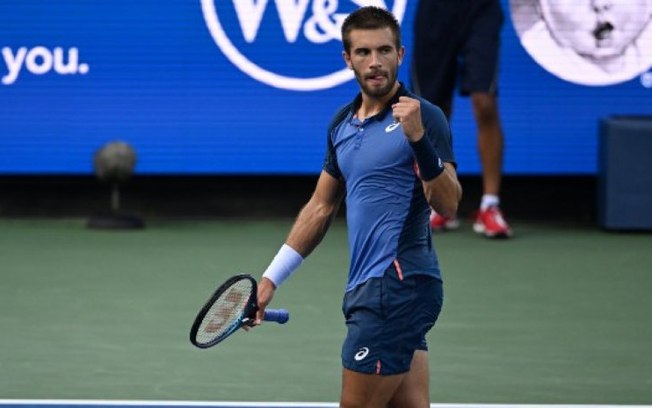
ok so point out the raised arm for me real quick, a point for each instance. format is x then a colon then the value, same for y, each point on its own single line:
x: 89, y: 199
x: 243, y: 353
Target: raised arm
x: 444, y: 192
x: 440, y: 185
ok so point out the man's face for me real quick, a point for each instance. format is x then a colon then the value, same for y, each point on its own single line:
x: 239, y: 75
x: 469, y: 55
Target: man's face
x: 374, y: 59
x: 596, y: 28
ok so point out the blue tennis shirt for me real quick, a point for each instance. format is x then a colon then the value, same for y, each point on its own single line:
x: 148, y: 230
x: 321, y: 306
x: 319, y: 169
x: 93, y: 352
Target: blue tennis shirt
x: 387, y: 213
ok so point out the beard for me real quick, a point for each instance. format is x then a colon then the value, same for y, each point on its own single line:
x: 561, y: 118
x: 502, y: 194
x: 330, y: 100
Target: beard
x: 379, y: 90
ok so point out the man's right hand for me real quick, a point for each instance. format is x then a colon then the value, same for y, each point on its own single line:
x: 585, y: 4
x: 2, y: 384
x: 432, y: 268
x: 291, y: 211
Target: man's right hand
x: 266, y: 291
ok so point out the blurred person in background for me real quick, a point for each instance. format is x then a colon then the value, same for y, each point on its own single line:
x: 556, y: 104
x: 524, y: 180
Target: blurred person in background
x: 456, y: 43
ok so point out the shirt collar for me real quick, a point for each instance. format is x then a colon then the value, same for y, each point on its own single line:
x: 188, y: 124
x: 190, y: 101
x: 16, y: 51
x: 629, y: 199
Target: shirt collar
x: 402, y: 91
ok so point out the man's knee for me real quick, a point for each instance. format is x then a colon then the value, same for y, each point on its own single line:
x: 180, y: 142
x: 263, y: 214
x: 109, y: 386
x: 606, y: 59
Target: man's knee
x: 485, y: 108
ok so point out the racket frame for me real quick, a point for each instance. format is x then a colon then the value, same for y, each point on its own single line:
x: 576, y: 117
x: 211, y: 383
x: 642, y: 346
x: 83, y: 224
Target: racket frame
x: 246, y: 318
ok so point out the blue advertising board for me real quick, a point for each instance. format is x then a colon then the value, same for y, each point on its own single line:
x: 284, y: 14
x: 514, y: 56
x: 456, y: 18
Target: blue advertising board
x: 248, y: 87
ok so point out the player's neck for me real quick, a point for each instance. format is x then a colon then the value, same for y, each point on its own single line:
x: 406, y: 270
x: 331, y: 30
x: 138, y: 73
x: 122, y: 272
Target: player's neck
x: 372, y: 105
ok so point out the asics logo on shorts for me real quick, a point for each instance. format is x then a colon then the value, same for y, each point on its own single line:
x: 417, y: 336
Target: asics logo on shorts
x: 361, y: 354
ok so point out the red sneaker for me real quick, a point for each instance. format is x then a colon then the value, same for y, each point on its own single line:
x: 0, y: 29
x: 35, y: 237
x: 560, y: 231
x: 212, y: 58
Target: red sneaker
x: 491, y: 223
x: 439, y: 223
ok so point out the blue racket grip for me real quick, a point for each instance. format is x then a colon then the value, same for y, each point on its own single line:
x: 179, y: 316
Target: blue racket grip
x: 277, y: 315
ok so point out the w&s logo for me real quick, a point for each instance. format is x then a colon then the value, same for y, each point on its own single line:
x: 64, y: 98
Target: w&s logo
x: 287, y: 44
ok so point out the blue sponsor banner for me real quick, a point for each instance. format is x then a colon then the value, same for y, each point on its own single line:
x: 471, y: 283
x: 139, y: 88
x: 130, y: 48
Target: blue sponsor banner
x: 248, y: 87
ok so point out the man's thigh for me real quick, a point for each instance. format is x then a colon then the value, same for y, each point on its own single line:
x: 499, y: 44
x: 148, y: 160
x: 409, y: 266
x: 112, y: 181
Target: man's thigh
x: 408, y: 390
x: 414, y: 390
x: 361, y: 390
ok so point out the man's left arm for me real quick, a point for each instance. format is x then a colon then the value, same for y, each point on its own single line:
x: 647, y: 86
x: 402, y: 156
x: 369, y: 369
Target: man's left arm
x: 440, y: 184
x: 444, y: 192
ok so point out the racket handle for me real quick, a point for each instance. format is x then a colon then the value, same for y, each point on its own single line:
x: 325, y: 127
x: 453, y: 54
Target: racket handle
x: 276, y: 315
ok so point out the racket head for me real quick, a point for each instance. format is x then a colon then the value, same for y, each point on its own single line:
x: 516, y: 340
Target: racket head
x: 224, y: 312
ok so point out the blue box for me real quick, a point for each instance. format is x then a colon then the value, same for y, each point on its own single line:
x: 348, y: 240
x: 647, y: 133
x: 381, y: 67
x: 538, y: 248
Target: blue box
x: 625, y: 173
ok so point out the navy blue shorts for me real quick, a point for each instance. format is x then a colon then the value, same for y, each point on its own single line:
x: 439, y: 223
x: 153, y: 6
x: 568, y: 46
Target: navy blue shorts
x: 456, y: 44
x: 387, y: 320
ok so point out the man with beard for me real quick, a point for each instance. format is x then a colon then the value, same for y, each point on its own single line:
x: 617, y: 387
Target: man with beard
x: 592, y: 42
x: 389, y: 154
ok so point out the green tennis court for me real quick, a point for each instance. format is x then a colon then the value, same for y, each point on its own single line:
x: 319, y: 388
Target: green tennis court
x: 559, y: 315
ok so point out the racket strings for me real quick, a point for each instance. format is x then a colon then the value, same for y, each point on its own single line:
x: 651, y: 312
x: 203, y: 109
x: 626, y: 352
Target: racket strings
x: 225, y: 314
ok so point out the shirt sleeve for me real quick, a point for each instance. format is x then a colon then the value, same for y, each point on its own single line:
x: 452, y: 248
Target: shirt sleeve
x: 438, y: 132
x: 330, y: 161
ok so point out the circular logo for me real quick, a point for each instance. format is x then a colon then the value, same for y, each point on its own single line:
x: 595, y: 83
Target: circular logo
x: 322, y: 26
x: 587, y: 42
x: 646, y: 80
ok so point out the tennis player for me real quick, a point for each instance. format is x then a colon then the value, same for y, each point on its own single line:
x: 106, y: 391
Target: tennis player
x: 389, y: 153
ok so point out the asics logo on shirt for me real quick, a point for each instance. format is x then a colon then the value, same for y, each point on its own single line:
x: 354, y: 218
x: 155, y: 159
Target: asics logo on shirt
x: 361, y: 354
x: 392, y: 126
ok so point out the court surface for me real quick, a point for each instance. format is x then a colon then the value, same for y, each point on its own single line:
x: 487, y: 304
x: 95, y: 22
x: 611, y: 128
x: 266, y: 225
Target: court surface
x: 558, y: 316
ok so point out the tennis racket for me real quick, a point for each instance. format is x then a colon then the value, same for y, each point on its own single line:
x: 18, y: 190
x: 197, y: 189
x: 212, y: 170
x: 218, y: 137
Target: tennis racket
x: 233, y: 305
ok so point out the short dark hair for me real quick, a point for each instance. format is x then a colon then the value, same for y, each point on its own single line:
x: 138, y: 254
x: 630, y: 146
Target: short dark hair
x: 370, y: 18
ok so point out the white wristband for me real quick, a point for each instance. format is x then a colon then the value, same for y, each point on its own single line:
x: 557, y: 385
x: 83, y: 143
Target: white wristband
x: 286, y: 261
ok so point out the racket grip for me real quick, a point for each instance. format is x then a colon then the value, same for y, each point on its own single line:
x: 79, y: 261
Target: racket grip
x: 280, y: 316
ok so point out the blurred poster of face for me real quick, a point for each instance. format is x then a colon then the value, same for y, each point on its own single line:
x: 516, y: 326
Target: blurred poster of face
x: 589, y: 42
